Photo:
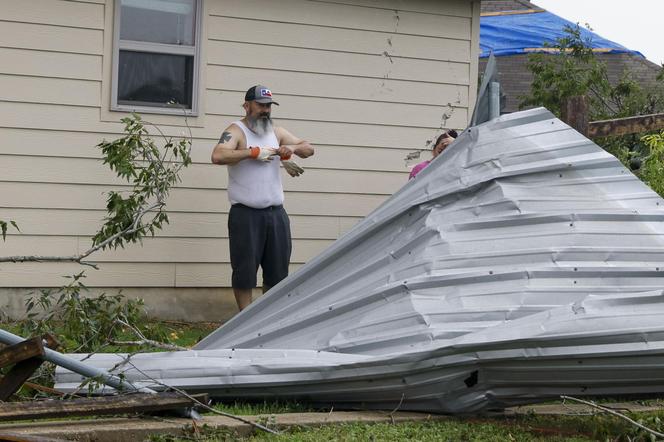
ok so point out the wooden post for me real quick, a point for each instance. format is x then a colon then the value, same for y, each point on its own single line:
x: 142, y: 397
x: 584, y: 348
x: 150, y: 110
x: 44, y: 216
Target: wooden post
x: 574, y: 111
x: 26, y: 357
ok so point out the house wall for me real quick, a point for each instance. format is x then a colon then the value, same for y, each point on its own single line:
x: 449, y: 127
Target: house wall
x: 365, y: 81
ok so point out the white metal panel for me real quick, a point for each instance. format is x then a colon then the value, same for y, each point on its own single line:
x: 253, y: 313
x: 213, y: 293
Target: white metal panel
x: 525, y: 262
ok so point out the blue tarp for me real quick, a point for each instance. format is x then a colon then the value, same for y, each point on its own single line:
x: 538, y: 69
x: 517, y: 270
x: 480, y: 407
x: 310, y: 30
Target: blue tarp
x: 525, y: 33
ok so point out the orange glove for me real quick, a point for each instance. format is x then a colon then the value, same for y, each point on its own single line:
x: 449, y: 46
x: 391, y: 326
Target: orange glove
x: 262, y: 153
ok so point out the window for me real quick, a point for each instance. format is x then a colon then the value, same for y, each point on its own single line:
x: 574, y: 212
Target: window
x: 155, y: 58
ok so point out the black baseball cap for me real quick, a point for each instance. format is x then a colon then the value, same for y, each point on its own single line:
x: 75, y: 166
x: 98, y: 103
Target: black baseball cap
x: 259, y: 94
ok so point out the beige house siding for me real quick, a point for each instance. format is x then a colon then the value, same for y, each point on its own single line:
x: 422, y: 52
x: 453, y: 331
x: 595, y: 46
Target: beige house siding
x: 365, y: 81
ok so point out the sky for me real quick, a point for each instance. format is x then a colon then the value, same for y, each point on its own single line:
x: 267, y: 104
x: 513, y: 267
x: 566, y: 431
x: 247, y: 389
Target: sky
x: 635, y: 24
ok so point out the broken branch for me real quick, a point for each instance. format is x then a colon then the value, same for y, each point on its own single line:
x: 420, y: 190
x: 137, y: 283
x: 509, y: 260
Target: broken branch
x: 615, y: 413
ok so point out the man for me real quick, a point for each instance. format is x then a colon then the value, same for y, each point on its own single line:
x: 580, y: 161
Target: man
x: 258, y: 226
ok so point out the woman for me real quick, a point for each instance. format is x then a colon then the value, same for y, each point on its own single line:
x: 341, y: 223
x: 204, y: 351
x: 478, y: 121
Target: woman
x: 444, y: 140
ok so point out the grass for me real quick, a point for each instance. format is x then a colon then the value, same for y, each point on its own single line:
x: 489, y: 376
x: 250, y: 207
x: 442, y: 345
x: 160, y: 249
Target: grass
x: 260, y: 408
x: 188, y: 334
x: 521, y: 428
x: 445, y: 430
x: 531, y: 427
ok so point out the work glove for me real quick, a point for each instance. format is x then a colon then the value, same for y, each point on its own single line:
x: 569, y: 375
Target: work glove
x: 292, y: 168
x: 262, y: 153
x: 285, y: 156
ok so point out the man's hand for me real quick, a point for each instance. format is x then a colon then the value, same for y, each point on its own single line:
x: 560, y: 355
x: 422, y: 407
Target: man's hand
x: 285, y: 152
x: 292, y: 168
x: 262, y: 153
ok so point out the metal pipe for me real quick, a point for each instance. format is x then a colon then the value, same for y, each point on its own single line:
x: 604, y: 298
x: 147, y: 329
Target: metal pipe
x: 77, y: 366
x: 494, y: 100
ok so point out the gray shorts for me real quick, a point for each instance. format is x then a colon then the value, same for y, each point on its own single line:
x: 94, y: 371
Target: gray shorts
x: 258, y: 237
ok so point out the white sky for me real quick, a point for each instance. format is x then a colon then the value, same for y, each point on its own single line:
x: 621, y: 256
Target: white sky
x: 635, y: 24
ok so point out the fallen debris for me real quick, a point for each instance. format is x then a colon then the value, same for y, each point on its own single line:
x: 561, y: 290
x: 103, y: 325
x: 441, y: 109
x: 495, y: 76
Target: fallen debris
x: 17, y: 437
x: 524, y: 263
x: 76, y: 366
x: 25, y: 357
x: 97, y: 406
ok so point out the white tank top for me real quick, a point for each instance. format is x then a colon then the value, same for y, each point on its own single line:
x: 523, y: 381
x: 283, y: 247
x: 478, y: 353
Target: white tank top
x: 256, y: 183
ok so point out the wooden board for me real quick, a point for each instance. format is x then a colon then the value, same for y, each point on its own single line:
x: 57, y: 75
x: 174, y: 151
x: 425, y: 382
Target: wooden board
x: 98, y: 406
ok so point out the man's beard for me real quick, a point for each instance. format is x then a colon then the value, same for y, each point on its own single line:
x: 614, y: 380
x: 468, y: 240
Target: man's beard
x: 260, y: 125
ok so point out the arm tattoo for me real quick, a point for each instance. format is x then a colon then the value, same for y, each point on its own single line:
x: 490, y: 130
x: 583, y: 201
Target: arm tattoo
x: 226, y: 136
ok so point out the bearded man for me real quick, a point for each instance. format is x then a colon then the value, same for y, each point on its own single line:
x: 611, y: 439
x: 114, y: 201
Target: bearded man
x: 258, y: 226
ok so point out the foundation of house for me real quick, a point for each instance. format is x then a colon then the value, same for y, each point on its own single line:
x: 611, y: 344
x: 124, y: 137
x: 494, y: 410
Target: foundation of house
x: 176, y: 304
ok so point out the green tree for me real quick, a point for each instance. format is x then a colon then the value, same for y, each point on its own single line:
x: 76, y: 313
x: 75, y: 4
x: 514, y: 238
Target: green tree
x: 570, y: 68
x: 150, y: 169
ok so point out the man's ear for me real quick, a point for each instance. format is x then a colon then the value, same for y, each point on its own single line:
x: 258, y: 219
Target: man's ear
x: 246, y: 106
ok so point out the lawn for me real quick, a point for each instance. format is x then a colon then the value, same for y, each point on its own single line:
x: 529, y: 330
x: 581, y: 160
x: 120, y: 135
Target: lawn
x: 529, y: 427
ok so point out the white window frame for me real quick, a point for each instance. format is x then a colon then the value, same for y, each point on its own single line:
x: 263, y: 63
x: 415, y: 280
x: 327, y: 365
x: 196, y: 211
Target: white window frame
x: 157, y: 48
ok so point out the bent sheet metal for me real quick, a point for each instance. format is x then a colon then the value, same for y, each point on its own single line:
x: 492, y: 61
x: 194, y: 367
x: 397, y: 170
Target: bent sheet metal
x: 523, y: 263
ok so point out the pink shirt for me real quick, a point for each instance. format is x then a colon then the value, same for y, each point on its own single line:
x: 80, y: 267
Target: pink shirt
x: 418, y: 168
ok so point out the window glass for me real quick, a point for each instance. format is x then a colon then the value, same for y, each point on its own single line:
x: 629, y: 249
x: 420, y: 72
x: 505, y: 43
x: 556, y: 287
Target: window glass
x: 147, y: 79
x: 158, y: 21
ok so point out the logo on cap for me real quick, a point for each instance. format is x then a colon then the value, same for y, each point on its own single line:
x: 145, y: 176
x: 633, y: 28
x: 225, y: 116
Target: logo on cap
x: 266, y: 93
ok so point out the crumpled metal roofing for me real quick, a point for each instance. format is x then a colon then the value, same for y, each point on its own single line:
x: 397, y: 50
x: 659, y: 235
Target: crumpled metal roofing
x: 523, y: 263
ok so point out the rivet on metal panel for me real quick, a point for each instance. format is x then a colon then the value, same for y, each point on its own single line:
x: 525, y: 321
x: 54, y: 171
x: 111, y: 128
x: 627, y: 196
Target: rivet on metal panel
x: 329, y: 308
x: 490, y: 272
x: 571, y: 224
x: 574, y: 282
x: 575, y: 269
x: 560, y: 175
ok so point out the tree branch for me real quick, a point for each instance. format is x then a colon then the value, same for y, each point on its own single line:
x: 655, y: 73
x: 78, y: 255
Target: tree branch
x: 145, y: 341
x: 615, y: 413
x: 199, y: 403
